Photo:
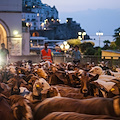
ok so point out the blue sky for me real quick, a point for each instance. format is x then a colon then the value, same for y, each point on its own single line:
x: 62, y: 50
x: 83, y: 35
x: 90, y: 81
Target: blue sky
x: 93, y: 15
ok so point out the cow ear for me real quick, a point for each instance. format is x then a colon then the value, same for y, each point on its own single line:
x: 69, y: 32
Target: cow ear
x: 4, y: 97
x: 94, y: 78
x: 9, y: 81
x: 23, y: 81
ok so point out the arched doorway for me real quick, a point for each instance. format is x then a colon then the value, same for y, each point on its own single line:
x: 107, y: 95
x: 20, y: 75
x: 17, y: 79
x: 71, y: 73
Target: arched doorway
x: 35, y: 34
x: 3, y: 36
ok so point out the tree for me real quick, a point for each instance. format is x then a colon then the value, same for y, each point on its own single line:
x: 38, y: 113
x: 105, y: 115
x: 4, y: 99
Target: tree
x: 85, y: 45
x: 106, y: 44
x: 73, y: 42
x: 89, y: 51
x: 113, y: 46
x: 117, y: 37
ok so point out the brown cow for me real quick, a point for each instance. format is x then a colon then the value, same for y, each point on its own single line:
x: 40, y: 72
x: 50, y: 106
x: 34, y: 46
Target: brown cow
x: 51, y: 92
x: 15, y: 84
x: 93, y: 106
x: 5, y: 109
x: 22, y: 108
x: 76, y: 116
x: 89, y: 87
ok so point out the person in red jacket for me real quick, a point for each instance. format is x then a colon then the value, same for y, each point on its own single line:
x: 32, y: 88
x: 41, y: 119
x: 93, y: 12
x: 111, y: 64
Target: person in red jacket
x: 46, y: 54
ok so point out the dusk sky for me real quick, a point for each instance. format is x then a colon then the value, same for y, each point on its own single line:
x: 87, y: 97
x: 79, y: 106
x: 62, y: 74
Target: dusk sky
x: 93, y: 15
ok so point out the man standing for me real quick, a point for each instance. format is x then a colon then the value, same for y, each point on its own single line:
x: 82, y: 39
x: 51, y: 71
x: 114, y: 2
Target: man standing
x: 76, y: 55
x: 46, y: 54
x: 4, y: 54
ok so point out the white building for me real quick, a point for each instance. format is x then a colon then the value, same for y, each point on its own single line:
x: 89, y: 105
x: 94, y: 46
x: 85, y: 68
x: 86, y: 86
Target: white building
x: 16, y: 40
x: 37, y: 12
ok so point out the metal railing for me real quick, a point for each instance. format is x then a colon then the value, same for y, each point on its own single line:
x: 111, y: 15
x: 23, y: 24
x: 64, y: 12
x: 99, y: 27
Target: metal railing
x: 64, y: 58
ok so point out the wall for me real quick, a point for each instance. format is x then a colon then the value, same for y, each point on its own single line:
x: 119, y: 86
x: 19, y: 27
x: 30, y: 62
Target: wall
x: 110, y: 54
x: 10, y: 18
x: 25, y: 42
x: 11, y: 5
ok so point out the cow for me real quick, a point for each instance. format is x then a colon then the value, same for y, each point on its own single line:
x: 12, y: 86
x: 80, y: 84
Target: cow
x: 89, y: 87
x: 51, y: 92
x: 22, y: 108
x: 70, y: 92
x: 40, y: 87
x: 76, y: 116
x: 107, y: 81
x: 92, y: 106
x: 15, y: 83
x: 41, y: 73
x: 6, y: 112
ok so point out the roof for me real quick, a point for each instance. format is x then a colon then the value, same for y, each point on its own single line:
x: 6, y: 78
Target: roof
x: 114, y: 51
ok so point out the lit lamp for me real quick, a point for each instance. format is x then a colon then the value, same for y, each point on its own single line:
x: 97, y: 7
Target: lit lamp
x: 64, y: 47
x: 28, y: 24
x: 99, y: 34
x: 81, y: 33
x: 15, y: 32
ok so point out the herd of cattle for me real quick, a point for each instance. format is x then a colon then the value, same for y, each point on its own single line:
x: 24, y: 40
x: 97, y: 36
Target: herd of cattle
x: 63, y: 91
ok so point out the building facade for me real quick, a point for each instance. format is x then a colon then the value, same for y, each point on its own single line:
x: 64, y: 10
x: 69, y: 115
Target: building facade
x: 11, y: 32
x: 35, y: 13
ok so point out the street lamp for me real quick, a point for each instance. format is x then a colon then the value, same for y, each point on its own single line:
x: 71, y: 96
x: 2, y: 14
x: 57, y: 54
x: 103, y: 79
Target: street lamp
x: 81, y: 33
x: 64, y: 47
x: 28, y: 24
x: 99, y: 34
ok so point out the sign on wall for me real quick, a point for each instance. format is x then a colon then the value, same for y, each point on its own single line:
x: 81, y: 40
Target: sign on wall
x: 16, y: 46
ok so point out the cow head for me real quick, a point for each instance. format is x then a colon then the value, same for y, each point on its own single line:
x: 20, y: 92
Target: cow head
x: 40, y: 86
x: 15, y: 84
x: 53, y: 91
x: 85, y: 79
x: 96, y: 70
x: 22, y: 110
x: 33, y: 79
x: 41, y: 73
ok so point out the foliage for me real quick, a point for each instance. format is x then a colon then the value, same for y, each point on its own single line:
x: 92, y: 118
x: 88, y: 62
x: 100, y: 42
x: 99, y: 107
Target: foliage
x: 85, y: 45
x: 89, y: 51
x: 106, y: 42
x: 113, y: 46
x: 117, y: 42
x: 73, y: 42
x: 98, y: 51
x: 117, y: 37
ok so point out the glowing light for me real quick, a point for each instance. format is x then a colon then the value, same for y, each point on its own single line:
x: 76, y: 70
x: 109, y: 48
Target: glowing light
x: 65, y: 46
x: 99, y: 33
x: 27, y: 24
x: 37, y: 14
x: 23, y: 19
x: 84, y: 33
x: 79, y: 37
x: 15, y: 32
x: 52, y: 19
x: 65, y: 42
x: 79, y: 33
